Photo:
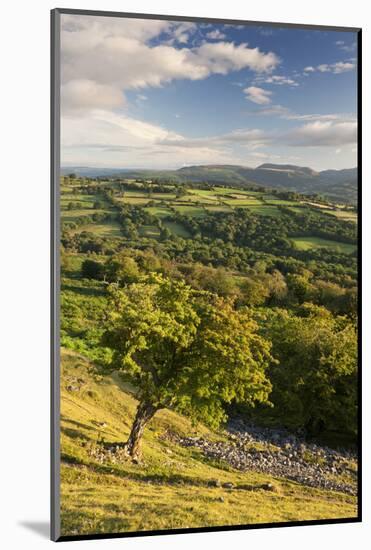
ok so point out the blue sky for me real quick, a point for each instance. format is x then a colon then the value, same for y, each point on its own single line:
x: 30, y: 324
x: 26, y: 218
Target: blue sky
x: 159, y: 94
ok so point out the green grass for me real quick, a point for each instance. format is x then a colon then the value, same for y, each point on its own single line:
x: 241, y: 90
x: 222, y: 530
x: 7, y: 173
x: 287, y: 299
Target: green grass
x: 239, y: 195
x: 217, y: 208
x: 202, y: 192
x: 243, y: 202
x: 87, y: 200
x: 86, y: 203
x: 229, y: 190
x: 308, y: 243
x: 74, y: 263
x: 197, y: 198
x: 299, y: 209
x: 169, y: 490
x: 162, y: 196
x: 134, y: 193
x: 149, y: 231
x: 103, y: 229
x: 343, y: 215
x: 177, y: 229
x: 140, y: 201
x: 190, y: 210
x: 280, y: 202
x: 71, y: 215
x: 159, y: 211
x: 264, y: 210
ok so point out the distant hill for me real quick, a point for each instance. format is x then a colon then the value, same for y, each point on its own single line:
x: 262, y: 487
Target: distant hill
x: 338, y: 185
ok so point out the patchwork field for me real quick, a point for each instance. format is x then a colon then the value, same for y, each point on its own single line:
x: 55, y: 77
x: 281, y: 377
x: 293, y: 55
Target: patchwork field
x: 193, y: 203
x: 177, y: 229
x: 307, y: 243
x: 343, y: 215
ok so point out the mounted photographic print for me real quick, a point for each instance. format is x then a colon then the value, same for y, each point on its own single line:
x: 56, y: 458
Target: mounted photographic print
x: 205, y: 214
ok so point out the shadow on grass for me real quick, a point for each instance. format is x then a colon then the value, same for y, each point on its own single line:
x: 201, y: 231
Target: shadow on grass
x: 75, y: 434
x: 78, y: 434
x: 155, y: 478
x: 84, y: 291
x: 78, y: 424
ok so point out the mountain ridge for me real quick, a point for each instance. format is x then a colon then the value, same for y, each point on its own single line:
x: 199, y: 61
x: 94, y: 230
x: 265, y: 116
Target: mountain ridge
x: 337, y: 185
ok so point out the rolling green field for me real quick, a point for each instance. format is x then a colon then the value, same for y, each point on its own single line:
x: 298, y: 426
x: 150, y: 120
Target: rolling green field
x: 149, y: 231
x: 105, y: 229
x: 194, y: 203
x: 343, y: 214
x: 159, y: 211
x: 177, y: 229
x: 189, y: 210
x: 264, y: 210
x: 308, y: 243
x: 171, y: 488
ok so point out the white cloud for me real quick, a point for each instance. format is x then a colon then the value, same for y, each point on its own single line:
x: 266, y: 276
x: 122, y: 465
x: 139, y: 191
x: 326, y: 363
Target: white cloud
x: 287, y: 114
x: 323, y: 134
x: 86, y: 31
x: 324, y: 68
x: 253, y: 137
x: 182, y: 33
x: 119, y: 53
x: 216, y: 35
x: 272, y: 110
x: 102, y: 58
x: 315, y: 116
x: 335, y: 68
x: 223, y: 57
x: 319, y: 133
x: 86, y: 94
x: 280, y: 80
x: 106, y: 128
x: 342, y: 67
x: 111, y: 139
x: 258, y: 95
x: 346, y: 47
x: 309, y: 69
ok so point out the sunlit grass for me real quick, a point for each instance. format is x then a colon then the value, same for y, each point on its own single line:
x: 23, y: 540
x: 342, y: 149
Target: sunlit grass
x: 170, y: 489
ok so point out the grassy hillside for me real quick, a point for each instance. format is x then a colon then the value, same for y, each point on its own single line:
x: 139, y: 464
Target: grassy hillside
x: 174, y: 487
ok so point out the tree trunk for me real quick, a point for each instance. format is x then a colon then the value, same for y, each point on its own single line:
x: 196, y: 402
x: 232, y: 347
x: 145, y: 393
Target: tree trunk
x: 145, y: 412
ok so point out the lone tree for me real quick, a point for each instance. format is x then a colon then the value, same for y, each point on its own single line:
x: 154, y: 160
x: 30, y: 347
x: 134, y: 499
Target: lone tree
x: 187, y: 350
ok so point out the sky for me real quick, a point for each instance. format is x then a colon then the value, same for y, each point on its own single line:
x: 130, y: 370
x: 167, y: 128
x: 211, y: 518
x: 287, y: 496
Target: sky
x: 139, y: 93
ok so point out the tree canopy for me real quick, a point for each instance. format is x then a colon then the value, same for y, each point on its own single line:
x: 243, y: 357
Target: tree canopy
x: 315, y: 379
x: 188, y: 350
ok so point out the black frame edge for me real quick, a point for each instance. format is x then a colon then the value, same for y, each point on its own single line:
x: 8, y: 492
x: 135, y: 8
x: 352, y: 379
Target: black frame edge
x: 215, y: 529
x: 359, y: 266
